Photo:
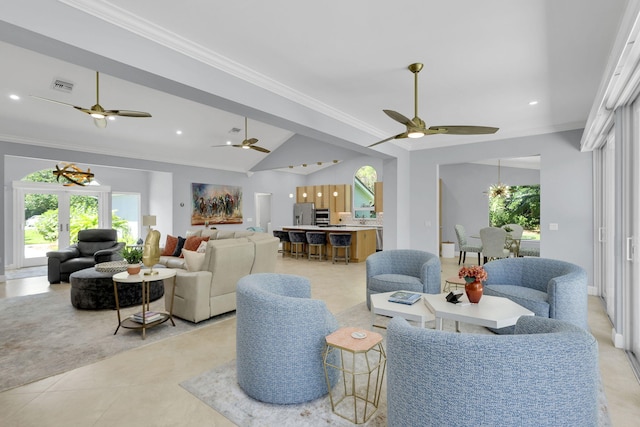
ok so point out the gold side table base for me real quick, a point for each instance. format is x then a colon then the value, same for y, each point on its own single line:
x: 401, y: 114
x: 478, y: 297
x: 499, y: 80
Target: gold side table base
x: 355, y: 396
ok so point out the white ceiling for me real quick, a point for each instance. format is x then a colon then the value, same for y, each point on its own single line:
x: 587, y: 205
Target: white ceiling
x: 313, y: 77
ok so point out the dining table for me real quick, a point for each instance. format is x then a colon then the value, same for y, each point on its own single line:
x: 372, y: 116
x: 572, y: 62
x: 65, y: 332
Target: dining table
x: 509, y: 242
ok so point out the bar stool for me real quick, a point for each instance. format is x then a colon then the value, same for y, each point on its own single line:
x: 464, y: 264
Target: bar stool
x: 284, y: 239
x: 298, y: 242
x: 340, y: 240
x: 317, y: 240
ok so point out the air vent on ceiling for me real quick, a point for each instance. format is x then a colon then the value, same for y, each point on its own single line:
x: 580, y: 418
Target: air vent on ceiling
x: 62, y: 85
x: 235, y: 130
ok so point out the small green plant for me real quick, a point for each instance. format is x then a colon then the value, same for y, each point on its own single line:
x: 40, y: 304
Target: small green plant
x: 133, y: 255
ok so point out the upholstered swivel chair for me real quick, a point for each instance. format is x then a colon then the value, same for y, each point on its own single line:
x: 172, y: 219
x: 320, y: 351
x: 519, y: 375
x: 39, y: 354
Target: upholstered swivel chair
x: 548, y: 287
x: 545, y: 375
x: 465, y: 246
x: 280, y: 338
x: 493, y: 242
x: 94, y: 246
x: 402, y: 269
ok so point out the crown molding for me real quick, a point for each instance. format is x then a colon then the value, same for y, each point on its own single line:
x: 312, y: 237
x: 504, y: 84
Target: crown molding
x: 115, y: 15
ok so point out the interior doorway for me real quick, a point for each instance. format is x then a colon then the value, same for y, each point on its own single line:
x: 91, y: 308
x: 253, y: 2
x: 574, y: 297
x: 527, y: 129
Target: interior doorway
x: 263, y: 211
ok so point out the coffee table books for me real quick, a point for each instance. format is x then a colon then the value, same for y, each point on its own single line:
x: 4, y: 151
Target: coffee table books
x: 405, y: 297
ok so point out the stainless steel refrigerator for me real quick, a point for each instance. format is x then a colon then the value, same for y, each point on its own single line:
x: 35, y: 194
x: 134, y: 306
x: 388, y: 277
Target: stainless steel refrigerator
x: 304, y: 214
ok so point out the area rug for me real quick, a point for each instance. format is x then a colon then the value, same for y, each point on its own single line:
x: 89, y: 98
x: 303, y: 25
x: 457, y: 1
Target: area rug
x: 43, y: 335
x: 219, y: 389
x: 23, y: 273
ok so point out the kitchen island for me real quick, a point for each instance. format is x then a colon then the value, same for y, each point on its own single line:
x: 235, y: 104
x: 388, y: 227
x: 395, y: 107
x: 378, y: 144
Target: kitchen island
x: 363, y: 239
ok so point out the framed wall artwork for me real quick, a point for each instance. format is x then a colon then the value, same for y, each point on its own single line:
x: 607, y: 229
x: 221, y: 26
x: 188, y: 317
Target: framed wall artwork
x: 216, y: 204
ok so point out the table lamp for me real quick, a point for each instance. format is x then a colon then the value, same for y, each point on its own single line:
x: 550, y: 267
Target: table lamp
x: 151, y: 250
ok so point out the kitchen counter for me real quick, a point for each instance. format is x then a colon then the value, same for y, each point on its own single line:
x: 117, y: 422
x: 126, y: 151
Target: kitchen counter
x: 363, y: 239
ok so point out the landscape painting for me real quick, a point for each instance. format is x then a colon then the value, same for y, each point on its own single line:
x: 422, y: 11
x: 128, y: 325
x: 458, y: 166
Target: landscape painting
x: 216, y: 204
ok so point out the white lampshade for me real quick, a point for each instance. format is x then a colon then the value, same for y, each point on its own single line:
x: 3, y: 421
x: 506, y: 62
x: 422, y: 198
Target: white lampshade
x: 148, y: 220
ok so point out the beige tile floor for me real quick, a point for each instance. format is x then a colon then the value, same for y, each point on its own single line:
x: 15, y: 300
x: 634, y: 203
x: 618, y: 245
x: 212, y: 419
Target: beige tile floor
x: 140, y: 387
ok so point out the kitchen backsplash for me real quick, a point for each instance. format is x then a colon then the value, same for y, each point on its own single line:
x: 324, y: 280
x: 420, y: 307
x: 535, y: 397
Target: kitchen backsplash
x: 347, y: 218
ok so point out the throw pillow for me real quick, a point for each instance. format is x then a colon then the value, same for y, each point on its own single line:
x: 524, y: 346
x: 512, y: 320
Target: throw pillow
x: 193, y: 260
x: 192, y: 243
x: 170, y: 246
x: 179, y: 246
x: 202, y: 248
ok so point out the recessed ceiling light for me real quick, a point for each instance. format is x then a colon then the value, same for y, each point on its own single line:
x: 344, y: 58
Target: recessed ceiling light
x: 14, y: 97
x: 178, y: 132
x: 228, y: 142
x: 533, y: 103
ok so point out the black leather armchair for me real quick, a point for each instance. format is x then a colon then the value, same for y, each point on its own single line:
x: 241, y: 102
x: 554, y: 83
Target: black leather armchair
x: 93, y: 247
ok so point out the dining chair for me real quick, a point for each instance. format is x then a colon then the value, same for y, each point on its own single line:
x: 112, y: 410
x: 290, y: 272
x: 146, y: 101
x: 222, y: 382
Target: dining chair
x: 514, y: 235
x: 493, y: 241
x: 464, y: 246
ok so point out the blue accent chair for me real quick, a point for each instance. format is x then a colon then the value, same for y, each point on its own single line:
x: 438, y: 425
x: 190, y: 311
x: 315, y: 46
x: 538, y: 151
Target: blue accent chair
x: 280, y: 338
x: 548, y: 287
x: 403, y: 269
x: 545, y: 375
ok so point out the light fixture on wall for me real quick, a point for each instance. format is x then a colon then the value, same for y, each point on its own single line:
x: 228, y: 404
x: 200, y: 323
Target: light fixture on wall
x: 499, y: 189
x: 291, y: 195
x: 151, y: 250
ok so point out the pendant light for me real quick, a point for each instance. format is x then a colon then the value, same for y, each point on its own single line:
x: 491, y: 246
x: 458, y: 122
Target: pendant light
x: 499, y: 189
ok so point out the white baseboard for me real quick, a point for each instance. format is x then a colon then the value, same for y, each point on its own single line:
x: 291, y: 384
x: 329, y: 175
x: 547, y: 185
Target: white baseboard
x: 617, y: 339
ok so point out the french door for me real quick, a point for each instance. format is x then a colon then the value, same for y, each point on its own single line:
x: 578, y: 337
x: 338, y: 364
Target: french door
x: 50, y: 217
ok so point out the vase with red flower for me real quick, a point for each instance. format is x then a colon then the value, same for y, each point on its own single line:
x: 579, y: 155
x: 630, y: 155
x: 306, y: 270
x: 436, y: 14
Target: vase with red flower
x: 474, y: 276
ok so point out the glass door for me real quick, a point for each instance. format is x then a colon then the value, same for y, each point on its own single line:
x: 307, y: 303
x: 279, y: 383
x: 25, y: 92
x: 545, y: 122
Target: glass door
x: 50, y: 218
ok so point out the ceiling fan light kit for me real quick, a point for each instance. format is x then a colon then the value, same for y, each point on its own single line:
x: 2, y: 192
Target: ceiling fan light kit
x: 416, y: 127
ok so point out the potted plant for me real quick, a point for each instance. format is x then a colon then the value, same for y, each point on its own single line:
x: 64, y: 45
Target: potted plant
x: 133, y: 256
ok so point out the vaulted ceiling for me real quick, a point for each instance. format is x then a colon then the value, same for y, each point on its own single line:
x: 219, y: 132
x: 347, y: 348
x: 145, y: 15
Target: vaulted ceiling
x: 312, y: 77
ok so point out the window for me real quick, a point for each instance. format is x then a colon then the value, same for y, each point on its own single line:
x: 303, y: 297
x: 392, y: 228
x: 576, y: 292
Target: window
x: 364, y: 192
x: 521, y: 206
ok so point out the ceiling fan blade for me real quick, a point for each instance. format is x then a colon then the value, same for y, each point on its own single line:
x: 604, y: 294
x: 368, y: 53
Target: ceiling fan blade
x: 127, y: 113
x: 464, y: 130
x: 260, y: 149
x: 250, y: 141
x: 400, y: 118
x: 399, y: 136
x: 54, y: 101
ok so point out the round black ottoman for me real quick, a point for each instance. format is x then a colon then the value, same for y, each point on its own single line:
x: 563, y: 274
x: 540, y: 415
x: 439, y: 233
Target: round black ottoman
x: 92, y: 290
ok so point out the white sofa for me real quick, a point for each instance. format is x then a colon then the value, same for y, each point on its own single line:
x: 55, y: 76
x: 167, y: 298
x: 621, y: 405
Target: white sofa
x: 211, y: 290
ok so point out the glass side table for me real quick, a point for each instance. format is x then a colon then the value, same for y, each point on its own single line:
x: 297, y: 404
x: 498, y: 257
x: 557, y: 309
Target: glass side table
x: 361, y: 363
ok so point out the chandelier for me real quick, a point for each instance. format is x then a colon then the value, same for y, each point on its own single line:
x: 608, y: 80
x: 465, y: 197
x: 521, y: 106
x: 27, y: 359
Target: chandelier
x: 499, y: 189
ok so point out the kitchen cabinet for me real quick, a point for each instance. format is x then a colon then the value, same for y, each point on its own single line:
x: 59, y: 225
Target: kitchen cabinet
x: 341, y: 202
x: 378, y: 196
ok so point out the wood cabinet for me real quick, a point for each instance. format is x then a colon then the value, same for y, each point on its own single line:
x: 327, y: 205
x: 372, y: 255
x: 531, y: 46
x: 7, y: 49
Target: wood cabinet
x: 340, y: 202
x: 378, y: 200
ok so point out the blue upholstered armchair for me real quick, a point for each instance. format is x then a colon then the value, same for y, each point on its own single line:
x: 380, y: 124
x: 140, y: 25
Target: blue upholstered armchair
x: 548, y: 287
x: 402, y: 269
x: 280, y: 338
x: 544, y: 375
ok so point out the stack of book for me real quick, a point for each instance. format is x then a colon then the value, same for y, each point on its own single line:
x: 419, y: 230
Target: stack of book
x: 149, y: 317
x: 404, y: 297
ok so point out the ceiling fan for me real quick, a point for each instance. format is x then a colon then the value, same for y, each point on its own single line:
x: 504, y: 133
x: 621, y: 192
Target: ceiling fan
x: 98, y: 113
x: 416, y: 127
x: 247, y: 143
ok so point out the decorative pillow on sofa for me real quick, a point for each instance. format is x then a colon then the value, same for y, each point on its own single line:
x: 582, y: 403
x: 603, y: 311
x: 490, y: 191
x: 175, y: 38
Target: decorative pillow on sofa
x: 193, y: 260
x: 192, y: 243
x: 170, y: 246
x: 202, y: 248
x: 178, y: 251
